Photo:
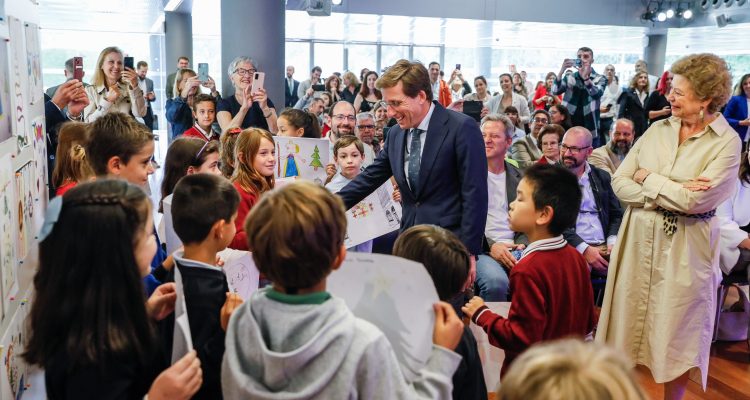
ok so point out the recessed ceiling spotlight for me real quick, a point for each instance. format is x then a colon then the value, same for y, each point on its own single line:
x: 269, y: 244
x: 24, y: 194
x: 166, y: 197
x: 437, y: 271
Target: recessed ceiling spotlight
x: 337, y: 2
x: 662, y: 16
x: 670, y: 13
x: 687, y: 14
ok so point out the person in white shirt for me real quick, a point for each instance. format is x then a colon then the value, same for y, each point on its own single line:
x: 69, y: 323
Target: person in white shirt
x: 497, y: 104
x: 609, y: 107
x: 599, y: 217
x: 734, y: 215
x: 502, y: 246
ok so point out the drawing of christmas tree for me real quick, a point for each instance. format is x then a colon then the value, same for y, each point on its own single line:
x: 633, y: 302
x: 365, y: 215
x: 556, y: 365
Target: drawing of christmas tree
x: 316, y: 159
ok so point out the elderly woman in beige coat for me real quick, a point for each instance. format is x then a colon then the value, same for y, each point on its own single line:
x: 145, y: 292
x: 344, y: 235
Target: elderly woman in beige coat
x: 664, y: 272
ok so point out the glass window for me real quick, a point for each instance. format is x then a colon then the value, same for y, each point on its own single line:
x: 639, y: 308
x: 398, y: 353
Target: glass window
x: 297, y: 54
x: 362, y: 56
x: 390, y: 54
x: 330, y: 57
x: 426, y: 54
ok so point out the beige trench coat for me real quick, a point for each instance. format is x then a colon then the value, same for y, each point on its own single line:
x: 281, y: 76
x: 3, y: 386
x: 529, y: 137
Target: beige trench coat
x: 661, y: 290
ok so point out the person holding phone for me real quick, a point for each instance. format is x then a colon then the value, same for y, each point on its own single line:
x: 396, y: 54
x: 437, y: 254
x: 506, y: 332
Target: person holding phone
x: 247, y: 108
x: 582, y: 91
x: 114, y: 88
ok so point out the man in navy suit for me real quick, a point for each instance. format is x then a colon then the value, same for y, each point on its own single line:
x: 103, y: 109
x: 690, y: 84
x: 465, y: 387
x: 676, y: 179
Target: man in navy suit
x: 290, y: 88
x: 436, y: 156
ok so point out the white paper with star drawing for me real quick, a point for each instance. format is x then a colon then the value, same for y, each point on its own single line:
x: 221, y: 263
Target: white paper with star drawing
x: 372, y: 217
x: 394, y: 294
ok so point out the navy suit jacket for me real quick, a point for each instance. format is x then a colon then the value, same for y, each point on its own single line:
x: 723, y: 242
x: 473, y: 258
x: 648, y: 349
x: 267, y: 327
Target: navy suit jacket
x: 452, y: 177
x: 290, y: 99
x: 736, y: 111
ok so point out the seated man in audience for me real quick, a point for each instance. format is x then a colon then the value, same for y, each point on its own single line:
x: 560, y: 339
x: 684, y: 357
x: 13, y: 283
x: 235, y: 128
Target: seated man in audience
x: 552, y: 294
x: 365, y: 131
x: 502, y: 245
x: 526, y: 150
x: 600, y: 214
x: 610, y: 156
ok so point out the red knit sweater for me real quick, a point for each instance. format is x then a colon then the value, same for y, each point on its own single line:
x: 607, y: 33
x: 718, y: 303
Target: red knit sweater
x: 195, y: 133
x: 552, y: 299
x: 247, y: 201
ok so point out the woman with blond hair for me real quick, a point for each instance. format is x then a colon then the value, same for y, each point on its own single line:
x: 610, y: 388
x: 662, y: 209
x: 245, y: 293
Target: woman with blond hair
x: 664, y: 271
x: 113, y: 88
x: 632, y: 103
x: 350, y: 87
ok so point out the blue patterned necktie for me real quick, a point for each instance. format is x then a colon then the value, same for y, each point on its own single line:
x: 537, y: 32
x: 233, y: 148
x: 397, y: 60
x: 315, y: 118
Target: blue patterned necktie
x: 415, y: 149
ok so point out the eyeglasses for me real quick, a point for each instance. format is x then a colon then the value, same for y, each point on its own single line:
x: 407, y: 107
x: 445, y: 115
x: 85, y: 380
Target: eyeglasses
x: 243, y: 71
x: 346, y: 117
x: 573, y: 149
x: 541, y: 120
x: 366, y: 126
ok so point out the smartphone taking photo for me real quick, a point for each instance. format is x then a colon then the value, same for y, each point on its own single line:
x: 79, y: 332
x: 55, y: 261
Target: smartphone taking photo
x: 203, y: 72
x: 259, y: 79
x: 78, y: 68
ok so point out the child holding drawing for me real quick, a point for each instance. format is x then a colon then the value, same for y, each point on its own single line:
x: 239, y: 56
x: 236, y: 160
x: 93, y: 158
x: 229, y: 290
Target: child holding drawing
x: 349, y: 154
x: 90, y: 328
x: 204, y: 209
x: 293, y: 339
x: 254, y: 163
x: 447, y: 261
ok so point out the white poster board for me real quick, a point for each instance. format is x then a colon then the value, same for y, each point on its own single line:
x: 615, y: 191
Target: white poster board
x: 182, y: 341
x: 7, y: 232
x: 13, y: 368
x: 492, y: 357
x: 19, y: 73
x: 303, y: 157
x: 373, y: 217
x: 376, y: 287
x: 242, y: 275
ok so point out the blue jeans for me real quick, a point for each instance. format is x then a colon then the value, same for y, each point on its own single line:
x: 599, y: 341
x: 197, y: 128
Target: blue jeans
x: 492, y: 279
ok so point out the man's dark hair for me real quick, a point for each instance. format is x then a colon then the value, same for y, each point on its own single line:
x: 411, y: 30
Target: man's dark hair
x: 442, y: 254
x: 433, y: 63
x: 198, y: 202
x: 69, y: 66
x: 183, y: 58
x: 556, y: 187
x: 316, y: 68
x: 540, y: 111
x: 586, y: 50
x: 141, y: 64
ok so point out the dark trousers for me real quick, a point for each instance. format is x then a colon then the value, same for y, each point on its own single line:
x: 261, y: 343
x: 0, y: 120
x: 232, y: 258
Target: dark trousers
x: 148, y: 119
x: 605, y: 124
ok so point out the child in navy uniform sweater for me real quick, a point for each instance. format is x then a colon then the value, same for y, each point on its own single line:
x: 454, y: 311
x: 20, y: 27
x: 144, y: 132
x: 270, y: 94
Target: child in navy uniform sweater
x: 204, y: 208
x: 552, y: 294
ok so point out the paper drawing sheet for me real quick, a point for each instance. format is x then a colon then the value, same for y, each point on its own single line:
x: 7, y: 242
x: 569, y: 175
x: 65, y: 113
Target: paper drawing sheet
x: 242, y: 275
x: 18, y: 90
x: 33, y: 63
x: 7, y: 231
x: 375, y: 286
x: 374, y: 216
x: 182, y: 341
x: 305, y: 158
x: 13, y: 370
x: 6, y: 110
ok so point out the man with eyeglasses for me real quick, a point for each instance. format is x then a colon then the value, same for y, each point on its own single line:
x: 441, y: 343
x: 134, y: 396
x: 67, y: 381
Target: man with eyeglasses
x: 599, y: 217
x: 341, y: 118
x: 526, y: 150
x: 365, y: 131
x: 610, y: 156
x: 436, y: 157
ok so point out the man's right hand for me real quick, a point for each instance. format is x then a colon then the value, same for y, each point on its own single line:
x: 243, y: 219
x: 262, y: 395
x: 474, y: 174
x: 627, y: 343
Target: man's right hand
x: 595, y: 260
x: 567, y: 63
x: 68, y: 91
x: 501, y: 253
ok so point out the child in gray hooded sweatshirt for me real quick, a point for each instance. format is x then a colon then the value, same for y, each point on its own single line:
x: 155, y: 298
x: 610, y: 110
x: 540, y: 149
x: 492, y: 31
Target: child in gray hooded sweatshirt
x: 293, y: 340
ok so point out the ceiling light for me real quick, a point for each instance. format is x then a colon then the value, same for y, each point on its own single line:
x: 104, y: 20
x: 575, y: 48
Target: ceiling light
x: 662, y: 16
x: 687, y: 14
x: 337, y: 2
x: 670, y: 13
x: 172, y: 5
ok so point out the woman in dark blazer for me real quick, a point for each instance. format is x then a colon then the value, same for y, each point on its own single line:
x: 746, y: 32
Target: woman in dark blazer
x: 632, y: 103
x: 736, y: 110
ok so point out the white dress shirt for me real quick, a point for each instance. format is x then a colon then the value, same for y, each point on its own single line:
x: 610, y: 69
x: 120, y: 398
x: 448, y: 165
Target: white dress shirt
x: 497, y: 228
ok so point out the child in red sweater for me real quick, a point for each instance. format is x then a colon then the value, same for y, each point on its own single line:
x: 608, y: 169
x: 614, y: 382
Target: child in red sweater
x: 204, y: 114
x: 552, y: 294
x: 254, y: 163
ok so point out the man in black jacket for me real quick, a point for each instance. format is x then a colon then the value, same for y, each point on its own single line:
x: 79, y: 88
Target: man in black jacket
x: 600, y: 213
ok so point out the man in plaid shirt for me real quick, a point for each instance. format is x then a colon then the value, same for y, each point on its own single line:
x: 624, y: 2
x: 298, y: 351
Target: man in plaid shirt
x: 582, y: 90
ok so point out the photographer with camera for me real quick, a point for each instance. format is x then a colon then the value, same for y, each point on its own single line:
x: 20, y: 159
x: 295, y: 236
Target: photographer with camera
x: 582, y: 91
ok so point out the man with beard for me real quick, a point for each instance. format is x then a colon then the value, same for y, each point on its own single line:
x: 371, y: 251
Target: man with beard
x: 341, y: 119
x: 610, y: 156
x: 525, y: 150
x: 600, y: 214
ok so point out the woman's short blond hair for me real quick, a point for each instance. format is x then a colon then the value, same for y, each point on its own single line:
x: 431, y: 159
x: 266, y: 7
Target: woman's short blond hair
x: 709, y: 76
x: 570, y: 369
x: 634, y: 81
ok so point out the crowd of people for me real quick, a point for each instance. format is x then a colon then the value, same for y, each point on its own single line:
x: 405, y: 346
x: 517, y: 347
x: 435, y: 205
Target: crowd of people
x: 523, y: 195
